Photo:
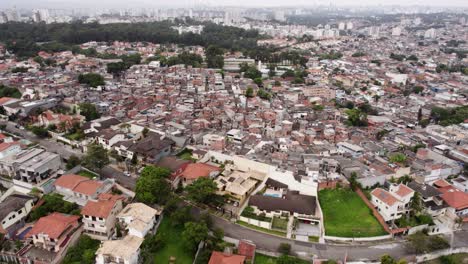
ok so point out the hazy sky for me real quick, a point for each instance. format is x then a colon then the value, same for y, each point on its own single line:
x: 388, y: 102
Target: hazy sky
x: 180, y: 3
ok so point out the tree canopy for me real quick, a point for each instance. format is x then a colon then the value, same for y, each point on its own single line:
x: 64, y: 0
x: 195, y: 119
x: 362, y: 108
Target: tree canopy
x: 96, y: 157
x: 6, y: 91
x: 89, y: 111
x: 91, y: 79
x: 202, y: 190
x: 152, y: 186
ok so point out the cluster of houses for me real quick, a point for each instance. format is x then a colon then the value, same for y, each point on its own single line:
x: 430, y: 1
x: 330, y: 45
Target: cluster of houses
x: 104, y: 215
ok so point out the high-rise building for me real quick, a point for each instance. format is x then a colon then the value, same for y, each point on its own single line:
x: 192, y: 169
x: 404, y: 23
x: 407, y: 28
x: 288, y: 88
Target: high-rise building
x: 349, y: 25
x: 396, y: 31
x: 341, y: 26
x: 374, y: 31
x: 430, y: 33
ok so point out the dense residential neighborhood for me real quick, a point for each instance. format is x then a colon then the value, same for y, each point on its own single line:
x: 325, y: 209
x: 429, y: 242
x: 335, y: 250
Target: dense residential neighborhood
x: 223, y: 136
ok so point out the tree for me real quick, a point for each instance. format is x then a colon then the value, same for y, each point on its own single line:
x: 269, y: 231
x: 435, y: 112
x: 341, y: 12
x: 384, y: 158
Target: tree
x: 353, y: 183
x: 154, y: 171
x: 145, y: 131
x: 152, y: 187
x: 249, y: 92
x: 214, y: 57
x: 40, y: 131
x: 284, y: 248
x: 89, y: 111
x: 91, y: 79
x: 356, y: 117
x: 202, y: 190
x: 96, y: 157
x: 181, y: 216
x: 193, y: 233
x: 6, y: 91
x: 420, y: 242
x: 398, y: 158
x: 285, y: 259
x: 72, y: 162
x: 416, y: 203
x: 386, y: 259
x: 83, y: 252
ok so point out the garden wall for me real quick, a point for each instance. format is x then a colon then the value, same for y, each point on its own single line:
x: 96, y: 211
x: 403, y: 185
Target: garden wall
x: 255, y: 222
x: 360, y: 239
x: 440, y: 253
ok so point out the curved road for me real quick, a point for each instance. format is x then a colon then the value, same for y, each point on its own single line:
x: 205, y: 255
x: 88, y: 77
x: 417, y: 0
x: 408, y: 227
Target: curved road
x: 368, y: 251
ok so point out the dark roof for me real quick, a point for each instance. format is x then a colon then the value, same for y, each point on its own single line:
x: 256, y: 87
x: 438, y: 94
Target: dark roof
x: 424, y: 189
x: 13, y: 202
x: 104, y: 124
x: 172, y: 163
x: 151, y: 145
x: 292, y: 202
x: 275, y: 184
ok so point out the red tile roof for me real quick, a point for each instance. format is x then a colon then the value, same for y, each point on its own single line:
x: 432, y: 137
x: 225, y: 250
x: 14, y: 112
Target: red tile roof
x: 78, y: 183
x: 223, y: 258
x: 102, y: 207
x: 384, y: 196
x: 403, y: 190
x: 246, y: 248
x: 5, y: 145
x: 53, y: 225
x: 456, y: 199
x: 194, y: 171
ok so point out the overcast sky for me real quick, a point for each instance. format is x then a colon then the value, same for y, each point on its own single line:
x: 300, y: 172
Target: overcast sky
x: 181, y: 3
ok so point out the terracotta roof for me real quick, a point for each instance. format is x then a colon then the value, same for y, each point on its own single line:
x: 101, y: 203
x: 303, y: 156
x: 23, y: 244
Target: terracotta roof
x: 223, y: 258
x: 6, y: 145
x: 102, y: 207
x: 197, y: 170
x: 246, y: 248
x: 53, y: 225
x: 403, y: 190
x: 384, y: 196
x: 78, y: 183
x: 441, y: 183
x: 4, y: 100
x: 456, y: 199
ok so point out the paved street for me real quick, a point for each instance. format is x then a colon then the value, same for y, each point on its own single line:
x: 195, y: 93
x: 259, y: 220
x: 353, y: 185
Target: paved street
x: 262, y: 240
x: 127, y: 182
x: 51, y: 145
x: 355, y: 252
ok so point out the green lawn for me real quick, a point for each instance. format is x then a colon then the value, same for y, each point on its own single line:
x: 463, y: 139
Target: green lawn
x: 273, y: 232
x: 172, y: 245
x: 280, y: 223
x: 455, y: 258
x: 346, y: 215
x: 264, y: 259
x: 87, y: 174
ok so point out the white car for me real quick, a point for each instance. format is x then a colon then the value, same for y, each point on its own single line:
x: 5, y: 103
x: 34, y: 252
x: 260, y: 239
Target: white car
x: 127, y: 173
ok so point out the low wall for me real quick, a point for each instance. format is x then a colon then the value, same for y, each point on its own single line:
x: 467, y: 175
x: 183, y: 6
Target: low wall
x: 440, y: 253
x: 256, y: 222
x: 358, y: 239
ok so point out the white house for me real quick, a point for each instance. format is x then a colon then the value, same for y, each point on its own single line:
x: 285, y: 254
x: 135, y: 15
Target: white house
x: 125, y: 251
x: 100, y: 216
x: 354, y: 150
x: 394, y: 203
x: 13, y: 211
x: 139, y: 219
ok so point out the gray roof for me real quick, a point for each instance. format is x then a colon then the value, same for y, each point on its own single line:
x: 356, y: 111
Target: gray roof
x: 424, y: 189
x: 292, y: 202
x: 13, y: 202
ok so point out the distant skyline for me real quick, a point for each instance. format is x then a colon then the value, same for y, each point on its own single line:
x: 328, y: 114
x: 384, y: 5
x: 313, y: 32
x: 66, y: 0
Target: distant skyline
x: 29, y: 4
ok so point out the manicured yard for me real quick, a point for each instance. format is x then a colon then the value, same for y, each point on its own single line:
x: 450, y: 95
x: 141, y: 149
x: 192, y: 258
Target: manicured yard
x: 273, y: 232
x: 346, y: 215
x: 280, y: 223
x: 455, y: 258
x: 87, y: 174
x: 264, y: 259
x: 172, y: 245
